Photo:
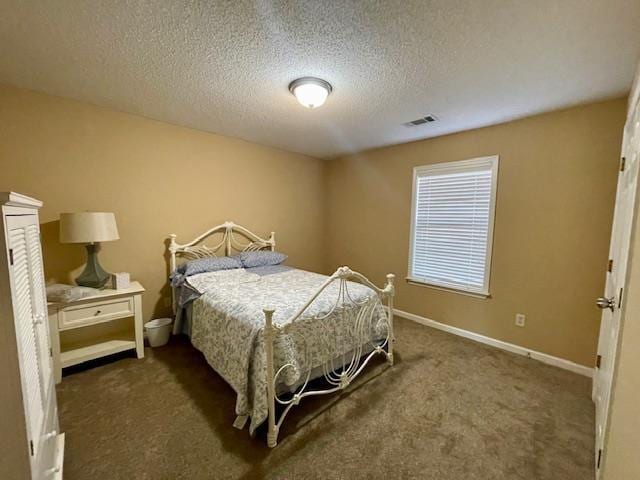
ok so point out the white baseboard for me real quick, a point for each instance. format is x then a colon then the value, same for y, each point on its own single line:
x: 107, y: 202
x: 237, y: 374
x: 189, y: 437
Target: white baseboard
x: 510, y: 347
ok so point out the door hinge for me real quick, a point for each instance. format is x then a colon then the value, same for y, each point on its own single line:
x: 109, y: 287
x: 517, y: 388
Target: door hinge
x: 610, y: 266
x: 11, y: 256
x: 622, y: 162
x: 598, y: 361
x: 50, y: 352
x: 599, y: 458
x: 31, y: 447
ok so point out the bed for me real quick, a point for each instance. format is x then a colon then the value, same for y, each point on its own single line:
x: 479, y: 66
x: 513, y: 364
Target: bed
x: 269, y: 331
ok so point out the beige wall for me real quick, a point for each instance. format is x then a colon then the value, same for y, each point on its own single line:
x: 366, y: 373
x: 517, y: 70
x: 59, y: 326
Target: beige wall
x: 556, y: 189
x: 555, y: 197
x: 158, y: 179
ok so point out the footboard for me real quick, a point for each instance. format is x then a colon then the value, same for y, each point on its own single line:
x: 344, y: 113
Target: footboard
x: 366, y: 316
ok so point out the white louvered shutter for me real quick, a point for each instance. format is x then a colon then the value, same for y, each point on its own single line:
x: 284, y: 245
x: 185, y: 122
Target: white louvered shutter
x: 39, y: 302
x: 26, y: 332
x: 452, y: 224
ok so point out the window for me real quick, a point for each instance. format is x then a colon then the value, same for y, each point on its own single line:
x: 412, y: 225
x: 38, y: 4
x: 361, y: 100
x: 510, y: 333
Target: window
x: 452, y: 224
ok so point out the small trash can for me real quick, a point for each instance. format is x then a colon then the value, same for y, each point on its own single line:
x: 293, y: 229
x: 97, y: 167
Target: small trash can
x: 158, y: 331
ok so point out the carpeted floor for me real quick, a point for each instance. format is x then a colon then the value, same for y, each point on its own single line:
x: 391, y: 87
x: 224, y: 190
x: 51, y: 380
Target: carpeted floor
x: 449, y: 409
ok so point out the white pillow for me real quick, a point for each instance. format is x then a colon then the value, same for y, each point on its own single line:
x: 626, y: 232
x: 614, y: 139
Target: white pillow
x: 61, y: 293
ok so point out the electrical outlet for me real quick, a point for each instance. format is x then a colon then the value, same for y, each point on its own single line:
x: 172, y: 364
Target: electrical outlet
x: 520, y: 319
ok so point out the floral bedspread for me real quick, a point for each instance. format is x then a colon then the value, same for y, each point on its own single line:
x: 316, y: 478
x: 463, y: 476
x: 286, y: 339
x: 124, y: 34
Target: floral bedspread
x: 228, y: 322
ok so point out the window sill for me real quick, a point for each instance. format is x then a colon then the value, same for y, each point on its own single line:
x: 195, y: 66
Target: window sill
x: 420, y: 283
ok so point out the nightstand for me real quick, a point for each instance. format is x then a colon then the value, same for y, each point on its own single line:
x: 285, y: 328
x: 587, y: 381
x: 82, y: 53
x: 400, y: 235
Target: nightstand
x: 96, y: 326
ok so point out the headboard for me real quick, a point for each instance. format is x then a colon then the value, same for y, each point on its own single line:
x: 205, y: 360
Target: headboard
x: 227, y: 245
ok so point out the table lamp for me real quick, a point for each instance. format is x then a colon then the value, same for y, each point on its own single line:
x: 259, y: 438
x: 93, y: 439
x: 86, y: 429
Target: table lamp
x: 90, y: 228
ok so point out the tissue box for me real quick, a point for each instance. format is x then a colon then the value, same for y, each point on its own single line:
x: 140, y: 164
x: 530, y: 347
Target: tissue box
x: 120, y: 280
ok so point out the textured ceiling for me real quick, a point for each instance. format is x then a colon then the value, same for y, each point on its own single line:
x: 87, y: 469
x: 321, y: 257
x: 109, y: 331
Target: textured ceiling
x: 224, y: 66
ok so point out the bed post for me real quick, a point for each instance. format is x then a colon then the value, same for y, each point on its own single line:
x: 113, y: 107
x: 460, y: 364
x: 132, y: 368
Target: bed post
x: 228, y: 231
x: 390, y: 279
x: 173, y: 247
x: 269, y: 334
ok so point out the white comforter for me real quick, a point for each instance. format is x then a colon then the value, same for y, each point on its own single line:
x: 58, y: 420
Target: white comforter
x: 228, y: 321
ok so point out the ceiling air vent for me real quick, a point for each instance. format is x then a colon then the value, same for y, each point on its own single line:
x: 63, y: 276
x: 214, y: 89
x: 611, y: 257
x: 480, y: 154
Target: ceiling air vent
x: 421, y: 121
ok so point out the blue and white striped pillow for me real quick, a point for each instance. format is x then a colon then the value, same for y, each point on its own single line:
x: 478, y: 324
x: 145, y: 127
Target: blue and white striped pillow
x: 202, y: 265
x: 261, y: 258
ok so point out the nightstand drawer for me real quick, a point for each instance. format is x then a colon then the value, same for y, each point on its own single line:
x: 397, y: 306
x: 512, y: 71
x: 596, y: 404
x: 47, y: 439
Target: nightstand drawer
x: 71, y: 317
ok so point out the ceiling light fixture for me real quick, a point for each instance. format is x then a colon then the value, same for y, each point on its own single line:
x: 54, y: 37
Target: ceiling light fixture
x: 310, y: 92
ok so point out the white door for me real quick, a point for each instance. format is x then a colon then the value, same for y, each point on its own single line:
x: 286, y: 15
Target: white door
x: 28, y: 324
x: 39, y: 301
x: 611, y: 302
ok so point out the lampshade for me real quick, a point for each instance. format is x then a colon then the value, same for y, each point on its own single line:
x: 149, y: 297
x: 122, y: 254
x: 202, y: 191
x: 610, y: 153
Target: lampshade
x: 88, y: 227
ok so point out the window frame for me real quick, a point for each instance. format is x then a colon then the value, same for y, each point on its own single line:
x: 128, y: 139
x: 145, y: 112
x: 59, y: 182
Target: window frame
x: 451, y: 167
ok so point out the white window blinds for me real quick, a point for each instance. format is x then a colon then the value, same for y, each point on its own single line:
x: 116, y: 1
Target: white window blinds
x: 452, y: 224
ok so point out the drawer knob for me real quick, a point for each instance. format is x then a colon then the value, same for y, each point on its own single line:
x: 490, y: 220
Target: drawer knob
x: 98, y: 312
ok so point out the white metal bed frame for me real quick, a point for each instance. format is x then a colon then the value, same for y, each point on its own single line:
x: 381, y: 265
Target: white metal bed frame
x: 367, y: 312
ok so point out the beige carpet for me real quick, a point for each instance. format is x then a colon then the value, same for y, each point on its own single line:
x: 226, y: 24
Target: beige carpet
x: 449, y: 409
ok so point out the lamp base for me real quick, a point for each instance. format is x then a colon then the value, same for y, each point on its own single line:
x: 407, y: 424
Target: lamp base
x: 94, y: 275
